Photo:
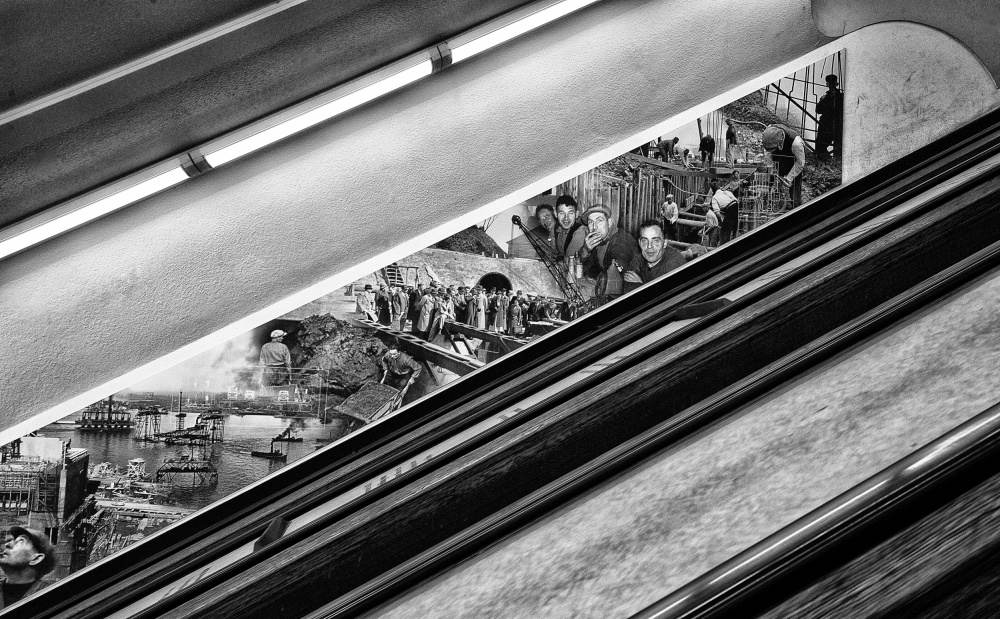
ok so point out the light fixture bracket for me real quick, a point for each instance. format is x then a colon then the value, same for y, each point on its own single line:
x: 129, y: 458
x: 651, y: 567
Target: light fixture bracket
x: 440, y: 58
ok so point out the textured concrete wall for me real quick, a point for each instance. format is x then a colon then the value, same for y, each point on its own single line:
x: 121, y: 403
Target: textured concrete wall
x: 83, y: 310
x: 907, y: 85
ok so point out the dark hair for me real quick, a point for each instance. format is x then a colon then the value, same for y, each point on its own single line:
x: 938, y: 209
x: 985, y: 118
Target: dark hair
x: 565, y: 199
x: 649, y: 223
x: 676, y: 139
x: 542, y: 207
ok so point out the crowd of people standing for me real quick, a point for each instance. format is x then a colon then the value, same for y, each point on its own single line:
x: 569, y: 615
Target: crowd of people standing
x: 426, y: 309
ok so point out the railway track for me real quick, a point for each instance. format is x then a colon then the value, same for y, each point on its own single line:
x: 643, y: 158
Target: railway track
x: 365, y: 518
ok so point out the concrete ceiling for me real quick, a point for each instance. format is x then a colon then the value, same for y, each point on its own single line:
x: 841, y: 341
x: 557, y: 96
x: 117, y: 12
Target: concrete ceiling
x: 52, y: 147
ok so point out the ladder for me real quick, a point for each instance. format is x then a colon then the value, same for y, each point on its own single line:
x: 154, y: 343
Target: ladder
x: 393, y: 275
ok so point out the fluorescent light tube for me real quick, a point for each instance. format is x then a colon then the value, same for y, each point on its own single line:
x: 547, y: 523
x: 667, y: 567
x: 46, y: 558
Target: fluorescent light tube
x: 87, y: 213
x: 318, y: 115
x: 516, y: 29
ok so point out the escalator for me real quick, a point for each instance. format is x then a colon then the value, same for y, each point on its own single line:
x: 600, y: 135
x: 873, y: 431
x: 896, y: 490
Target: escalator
x: 363, y: 520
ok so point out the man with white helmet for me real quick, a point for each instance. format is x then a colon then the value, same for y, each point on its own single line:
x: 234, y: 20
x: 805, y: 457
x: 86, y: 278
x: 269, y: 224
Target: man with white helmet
x: 276, y: 359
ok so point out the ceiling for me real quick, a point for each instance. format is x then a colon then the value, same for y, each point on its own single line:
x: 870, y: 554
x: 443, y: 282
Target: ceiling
x: 55, y: 145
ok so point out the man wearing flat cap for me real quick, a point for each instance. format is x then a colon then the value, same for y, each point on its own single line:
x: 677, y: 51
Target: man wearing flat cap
x: 607, y: 247
x: 276, y: 359
x: 26, y: 556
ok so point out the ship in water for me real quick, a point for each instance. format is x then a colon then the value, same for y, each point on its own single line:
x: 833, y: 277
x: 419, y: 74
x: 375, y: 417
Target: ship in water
x: 273, y: 454
x: 105, y: 416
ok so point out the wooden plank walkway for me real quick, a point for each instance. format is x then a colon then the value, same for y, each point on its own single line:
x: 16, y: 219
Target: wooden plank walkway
x: 418, y: 348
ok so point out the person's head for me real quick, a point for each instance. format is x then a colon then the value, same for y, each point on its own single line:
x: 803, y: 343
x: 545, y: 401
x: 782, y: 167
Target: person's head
x: 651, y: 241
x: 599, y: 220
x: 676, y: 140
x: 546, y: 216
x: 368, y: 287
x: 832, y: 81
x: 566, y: 211
x: 714, y: 185
x: 27, y: 553
x: 670, y: 197
x: 277, y: 335
x: 393, y: 351
x: 772, y: 138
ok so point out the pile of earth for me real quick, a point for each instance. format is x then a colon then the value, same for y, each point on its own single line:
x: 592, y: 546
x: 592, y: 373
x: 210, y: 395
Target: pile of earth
x: 473, y: 240
x: 348, y: 354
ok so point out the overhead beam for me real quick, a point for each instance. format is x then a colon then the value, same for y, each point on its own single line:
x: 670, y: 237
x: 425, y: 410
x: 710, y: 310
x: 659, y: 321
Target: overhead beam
x: 507, y: 342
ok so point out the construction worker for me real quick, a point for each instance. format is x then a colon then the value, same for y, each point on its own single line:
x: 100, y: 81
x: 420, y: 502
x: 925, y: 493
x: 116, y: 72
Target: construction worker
x: 399, y: 370
x: 276, y: 359
x: 787, y: 151
x: 26, y: 556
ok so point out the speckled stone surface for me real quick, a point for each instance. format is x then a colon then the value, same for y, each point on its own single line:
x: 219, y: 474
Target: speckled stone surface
x: 625, y: 545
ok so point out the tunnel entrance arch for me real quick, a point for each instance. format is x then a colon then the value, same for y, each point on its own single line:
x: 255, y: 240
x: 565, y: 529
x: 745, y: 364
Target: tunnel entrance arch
x: 495, y: 280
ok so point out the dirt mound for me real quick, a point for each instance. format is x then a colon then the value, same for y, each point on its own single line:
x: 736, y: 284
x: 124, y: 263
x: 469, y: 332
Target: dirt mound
x: 751, y: 108
x: 349, y: 354
x: 472, y: 240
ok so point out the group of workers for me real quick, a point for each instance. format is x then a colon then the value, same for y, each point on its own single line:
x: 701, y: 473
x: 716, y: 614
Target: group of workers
x: 606, y: 255
x: 828, y: 142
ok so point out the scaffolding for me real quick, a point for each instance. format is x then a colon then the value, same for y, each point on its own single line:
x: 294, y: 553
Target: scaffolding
x: 793, y: 98
x: 136, y: 469
x: 762, y: 198
x: 201, y: 471
x: 214, y: 425
x: 147, y: 424
x: 29, y: 487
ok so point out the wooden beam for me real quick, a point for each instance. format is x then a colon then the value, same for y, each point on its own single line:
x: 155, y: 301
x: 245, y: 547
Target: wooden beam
x: 430, y: 370
x: 673, y: 168
x: 680, y: 170
x: 506, y: 341
x: 418, y: 348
